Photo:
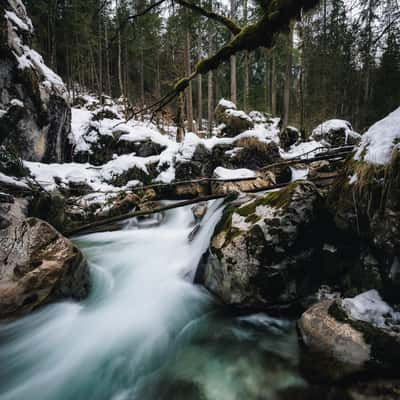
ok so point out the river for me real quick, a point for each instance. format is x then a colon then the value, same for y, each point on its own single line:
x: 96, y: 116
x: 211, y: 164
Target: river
x: 146, y: 332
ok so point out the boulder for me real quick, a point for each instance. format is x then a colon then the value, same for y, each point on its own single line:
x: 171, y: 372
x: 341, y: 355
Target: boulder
x: 336, y: 132
x: 222, y: 106
x: 235, y: 122
x: 365, y: 200
x: 36, y: 117
x: 232, y: 121
x: 262, y: 253
x: 37, y: 266
x: 289, y: 137
x: 350, y: 337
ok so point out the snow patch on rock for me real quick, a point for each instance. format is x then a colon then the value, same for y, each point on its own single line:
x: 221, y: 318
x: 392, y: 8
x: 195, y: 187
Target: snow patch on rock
x: 381, y: 139
x: 369, y: 307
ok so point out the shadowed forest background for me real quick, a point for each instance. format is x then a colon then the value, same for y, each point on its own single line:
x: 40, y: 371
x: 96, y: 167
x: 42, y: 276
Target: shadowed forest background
x: 341, y: 60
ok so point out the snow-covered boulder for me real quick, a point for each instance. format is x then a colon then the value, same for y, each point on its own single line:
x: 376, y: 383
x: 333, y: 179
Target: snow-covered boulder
x: 262, y: 252
x: 34, y: 113
x: 366, y: 199
x: 336, y: 132
x: 232, y: 121
x: 351, y: 336
x: 381, y: 140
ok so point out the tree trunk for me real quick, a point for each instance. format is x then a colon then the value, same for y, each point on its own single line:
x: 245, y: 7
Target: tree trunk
x: 210, y: 92
x: 189, y: 96
x: 245, y: 67
x: 100, y: 40
x: 180, y: 118
x: 233, y: 61
x: 108, y: 73
x: 288, y: 82
x: 273, y: 84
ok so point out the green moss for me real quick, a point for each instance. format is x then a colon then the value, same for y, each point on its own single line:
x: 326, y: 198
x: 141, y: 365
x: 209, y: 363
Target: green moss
x: 252, y: 219
x: 384, y: 348
x: 279, y: 199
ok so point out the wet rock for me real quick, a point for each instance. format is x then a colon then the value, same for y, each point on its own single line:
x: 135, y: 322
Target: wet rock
x: 37, y: 266
x: 199, y: 211
x: 262, y: 252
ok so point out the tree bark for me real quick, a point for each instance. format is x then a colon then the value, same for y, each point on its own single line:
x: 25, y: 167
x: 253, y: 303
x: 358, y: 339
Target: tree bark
x: 233, y: 61
x: 288, y: 83
x: 189, y: 95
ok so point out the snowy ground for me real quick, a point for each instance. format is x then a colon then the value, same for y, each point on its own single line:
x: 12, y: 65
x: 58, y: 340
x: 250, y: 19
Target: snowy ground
x: 50, y: 175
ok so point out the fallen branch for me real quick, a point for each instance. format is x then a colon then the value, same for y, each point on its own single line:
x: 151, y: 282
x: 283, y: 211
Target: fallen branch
x: 180, y: 204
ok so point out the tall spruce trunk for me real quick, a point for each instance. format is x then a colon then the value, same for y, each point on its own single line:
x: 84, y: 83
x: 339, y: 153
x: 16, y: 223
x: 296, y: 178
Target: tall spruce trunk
x: 246, y: 62
x: 233, y: 61
x: 189, y: 95
x: 288, y: 82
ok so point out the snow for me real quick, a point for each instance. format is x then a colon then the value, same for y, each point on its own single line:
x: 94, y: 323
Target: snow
x: 299, y: 174
x: 9, y: 180
x: 225, y: 173
x: 17, y: 103
x: 239, y: 222
x: 227, y: 104
x: 321, y: 131
x: 353, y: 179
x: 17, y: 21
x: 96, y: 177
x: 379, y: 142
x: 27, y: 57
x: 238, y: 114
x: 301, y: 148
x: 369, y: 307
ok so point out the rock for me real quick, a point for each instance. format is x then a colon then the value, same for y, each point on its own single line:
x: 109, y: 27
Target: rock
x: 261, y: 253
x: 336, y: 132
x: 37, y: 266
x: 37, y: 116
x: 104, y: 113
x: 340, y: 344
x: 259, y: 117
x: 222, y: 106
x: 254, y: 154
x: 232, y: 121
x: 365, y: 202
x: 235, y: 122
x: 289, y: 137
x: 11, y: 164
x: 199, y: 211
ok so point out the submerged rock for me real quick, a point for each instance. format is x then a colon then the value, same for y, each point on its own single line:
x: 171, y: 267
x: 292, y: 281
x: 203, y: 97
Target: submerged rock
x: 37, y: 266
x: 262, y: 252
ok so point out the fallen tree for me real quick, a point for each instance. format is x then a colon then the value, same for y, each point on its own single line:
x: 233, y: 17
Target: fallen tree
x: 135, y: 214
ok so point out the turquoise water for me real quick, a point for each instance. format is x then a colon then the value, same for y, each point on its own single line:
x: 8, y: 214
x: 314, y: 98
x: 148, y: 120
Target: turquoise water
x: 146, y: 332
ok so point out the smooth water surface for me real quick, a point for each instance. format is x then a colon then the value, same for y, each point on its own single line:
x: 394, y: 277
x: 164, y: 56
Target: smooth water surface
x: 146, y: 332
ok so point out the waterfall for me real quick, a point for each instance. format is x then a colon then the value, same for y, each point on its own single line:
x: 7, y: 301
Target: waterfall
x: 145, y: 332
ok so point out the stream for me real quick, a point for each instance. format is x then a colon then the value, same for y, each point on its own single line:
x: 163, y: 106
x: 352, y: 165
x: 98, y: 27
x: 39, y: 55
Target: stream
x: 146, y: 332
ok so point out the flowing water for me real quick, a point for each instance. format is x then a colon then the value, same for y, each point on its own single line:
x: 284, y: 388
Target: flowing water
x: 146, y: 332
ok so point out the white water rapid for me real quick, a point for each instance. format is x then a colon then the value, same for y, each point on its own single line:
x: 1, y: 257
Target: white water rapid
x: 146, y: 332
